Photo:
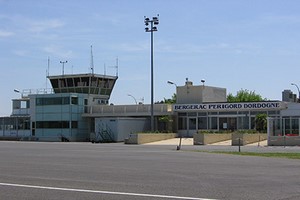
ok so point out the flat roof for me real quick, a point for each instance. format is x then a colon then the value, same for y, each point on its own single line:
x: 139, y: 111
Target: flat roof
x: 82, y: 75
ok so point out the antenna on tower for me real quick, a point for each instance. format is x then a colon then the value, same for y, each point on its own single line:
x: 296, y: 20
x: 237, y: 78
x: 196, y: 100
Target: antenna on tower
x: 92, y: 60
x: 116, y: 66
x: 47, y: 72
x: 48, y: 66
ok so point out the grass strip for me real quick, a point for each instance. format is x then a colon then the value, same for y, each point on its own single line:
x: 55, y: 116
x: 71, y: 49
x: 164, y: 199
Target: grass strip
x: 273, y: 155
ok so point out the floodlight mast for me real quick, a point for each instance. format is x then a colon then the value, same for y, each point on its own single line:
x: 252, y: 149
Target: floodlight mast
x: 152, y: 22
x: 63, y: 66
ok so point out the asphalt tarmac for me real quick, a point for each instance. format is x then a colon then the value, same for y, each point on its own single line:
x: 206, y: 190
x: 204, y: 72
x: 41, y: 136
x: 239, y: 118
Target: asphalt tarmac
x: 37, y: 170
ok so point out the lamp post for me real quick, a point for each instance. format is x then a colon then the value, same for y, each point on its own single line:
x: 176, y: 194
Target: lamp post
x: 133, y: 98
x: 297, y: 89
x: 18, y: 91
x: 172, y: 83
x: 180, y: 137
x: 152, y: 22
x: 63, y: 66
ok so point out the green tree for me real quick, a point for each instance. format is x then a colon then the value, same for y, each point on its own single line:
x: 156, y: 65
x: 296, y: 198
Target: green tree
x: 172, y: 100
x: 245, y: 95
x: 261, y: 122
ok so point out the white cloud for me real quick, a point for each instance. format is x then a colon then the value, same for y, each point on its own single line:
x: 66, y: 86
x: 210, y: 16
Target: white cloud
x: 6, y: 33
x: 58, y: 51
x: 43, y: 25
x: 208, y: 48
x: 23, y: 23
x: 20, y: 52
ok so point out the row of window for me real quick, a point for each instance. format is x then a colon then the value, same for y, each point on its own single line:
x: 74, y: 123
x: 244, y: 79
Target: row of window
x: 56, y: 124
x: 285, y: 126
x: 14, y: 124
x: 56, y: 101
x: 220, y: 120
x: 225, y: 123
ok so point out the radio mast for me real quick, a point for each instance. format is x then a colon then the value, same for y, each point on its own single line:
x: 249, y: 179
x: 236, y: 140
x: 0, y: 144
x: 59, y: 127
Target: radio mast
x: 92, y: 60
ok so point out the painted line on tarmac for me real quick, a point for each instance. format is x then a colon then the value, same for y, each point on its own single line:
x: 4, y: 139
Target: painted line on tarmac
x: 101, y: 192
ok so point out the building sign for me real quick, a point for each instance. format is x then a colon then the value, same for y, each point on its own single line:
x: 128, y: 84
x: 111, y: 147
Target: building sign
x: 270, y: 105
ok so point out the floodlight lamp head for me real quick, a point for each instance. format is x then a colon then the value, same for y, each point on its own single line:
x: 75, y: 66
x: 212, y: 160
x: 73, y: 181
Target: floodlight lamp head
x: 147, y: 29
x: 146, y: 19
x: 154, y: 28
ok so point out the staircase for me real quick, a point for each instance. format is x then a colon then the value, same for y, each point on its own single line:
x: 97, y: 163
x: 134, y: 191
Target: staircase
x: 104, y: 134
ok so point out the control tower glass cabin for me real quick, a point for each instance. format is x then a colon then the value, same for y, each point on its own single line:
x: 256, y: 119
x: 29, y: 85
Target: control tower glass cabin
x: 94, y: 84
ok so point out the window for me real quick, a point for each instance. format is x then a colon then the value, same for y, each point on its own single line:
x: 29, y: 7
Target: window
x: 202, y: 123
x: 213, y: 123
x: 52, y: 124
x: 53, y: 101
x: 74, y: 100
x: 74, y: 124
x: 182, y: 123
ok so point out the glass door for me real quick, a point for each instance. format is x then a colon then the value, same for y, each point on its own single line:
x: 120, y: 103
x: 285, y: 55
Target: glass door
x: 192, y: 126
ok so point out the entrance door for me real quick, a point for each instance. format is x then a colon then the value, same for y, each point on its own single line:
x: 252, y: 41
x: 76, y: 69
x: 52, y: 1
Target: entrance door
x: 191, y: 126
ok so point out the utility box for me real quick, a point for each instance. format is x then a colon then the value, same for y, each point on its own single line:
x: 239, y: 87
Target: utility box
x: 117, y: 129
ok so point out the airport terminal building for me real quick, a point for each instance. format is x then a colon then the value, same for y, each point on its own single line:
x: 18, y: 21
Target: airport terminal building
x: 77, y: 109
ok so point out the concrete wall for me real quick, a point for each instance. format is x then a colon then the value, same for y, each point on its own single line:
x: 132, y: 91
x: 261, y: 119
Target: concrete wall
x: 121, y: 128
x: 204, y: 138
x: 293, y: 109
x: 200, y: 94
x: 247, y: 138
x: 148, y: 137
x: 284, y: 141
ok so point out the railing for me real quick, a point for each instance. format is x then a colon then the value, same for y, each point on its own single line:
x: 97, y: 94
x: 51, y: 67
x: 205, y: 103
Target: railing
x: 27, y: 92
x: 128, y: 109
x: 21, y: 111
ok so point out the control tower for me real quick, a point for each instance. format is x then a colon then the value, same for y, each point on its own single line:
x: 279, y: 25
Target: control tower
x: 94, y: 84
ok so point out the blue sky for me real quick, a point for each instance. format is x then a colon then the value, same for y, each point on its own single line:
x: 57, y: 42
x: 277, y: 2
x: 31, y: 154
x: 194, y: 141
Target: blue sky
x: 233, y: 44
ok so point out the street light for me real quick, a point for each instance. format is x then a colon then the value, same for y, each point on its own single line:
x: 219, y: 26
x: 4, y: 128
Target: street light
x: 297, y: 89
x: 172, y: 83
x: 180, y: 136
x: 152, y: 28
x: 63, y: 66
x: 18, y: 91
x: 133, y: 98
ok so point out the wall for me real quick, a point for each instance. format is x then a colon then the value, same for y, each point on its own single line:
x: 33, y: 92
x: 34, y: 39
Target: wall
x: 66, y: 112
x: 148, y: 137
x: 284, y: 141
x: 120, y: 128
x: 189, y: 94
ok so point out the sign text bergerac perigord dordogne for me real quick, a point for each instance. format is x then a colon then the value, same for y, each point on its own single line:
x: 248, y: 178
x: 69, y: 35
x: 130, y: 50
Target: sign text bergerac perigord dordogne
x: 231, y: 106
